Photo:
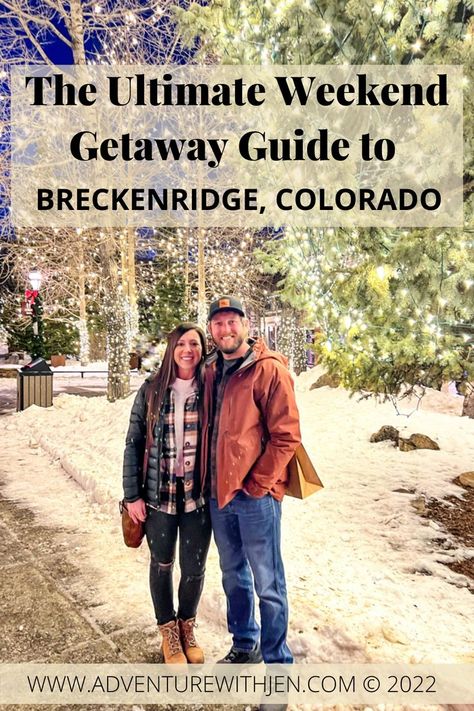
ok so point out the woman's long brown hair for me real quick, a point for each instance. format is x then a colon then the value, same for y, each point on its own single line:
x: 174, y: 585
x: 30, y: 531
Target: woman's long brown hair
x: 167, y: 374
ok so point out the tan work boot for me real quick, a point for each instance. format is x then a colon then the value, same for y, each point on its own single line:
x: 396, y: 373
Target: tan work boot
x: 192, y: 650
x: 172, y: 649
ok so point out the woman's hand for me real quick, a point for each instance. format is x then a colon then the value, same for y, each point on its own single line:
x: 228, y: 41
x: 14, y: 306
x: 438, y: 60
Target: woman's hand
x: 137, y: 510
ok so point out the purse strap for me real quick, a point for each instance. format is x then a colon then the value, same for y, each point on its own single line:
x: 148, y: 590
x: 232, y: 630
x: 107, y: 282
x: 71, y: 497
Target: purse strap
x: 150, y: 424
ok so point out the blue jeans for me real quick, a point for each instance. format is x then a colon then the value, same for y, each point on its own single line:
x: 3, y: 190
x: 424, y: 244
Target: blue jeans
x: 247, y: 535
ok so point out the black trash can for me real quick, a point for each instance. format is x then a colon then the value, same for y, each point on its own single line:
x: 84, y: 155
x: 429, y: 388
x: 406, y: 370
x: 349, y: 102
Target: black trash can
x: 34, y: 385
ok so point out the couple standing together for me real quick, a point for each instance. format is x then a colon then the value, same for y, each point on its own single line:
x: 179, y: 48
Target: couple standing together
x: 207, y: 448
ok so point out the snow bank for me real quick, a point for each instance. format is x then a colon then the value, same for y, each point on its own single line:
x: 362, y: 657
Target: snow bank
x: 364, y: 570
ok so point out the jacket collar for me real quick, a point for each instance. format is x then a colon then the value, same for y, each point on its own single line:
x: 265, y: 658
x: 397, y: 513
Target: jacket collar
x: 216, y: 356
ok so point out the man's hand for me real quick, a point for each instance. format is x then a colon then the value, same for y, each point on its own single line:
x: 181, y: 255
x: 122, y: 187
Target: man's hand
x: 137, y: 510
x: 252, y: 496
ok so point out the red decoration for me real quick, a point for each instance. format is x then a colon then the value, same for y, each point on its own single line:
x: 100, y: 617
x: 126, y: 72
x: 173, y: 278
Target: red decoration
x: 30, y: 296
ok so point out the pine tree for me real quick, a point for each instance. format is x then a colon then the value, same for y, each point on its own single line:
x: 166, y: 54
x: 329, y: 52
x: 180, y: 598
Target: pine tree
x: 163, y: 307
x: 393, y: 306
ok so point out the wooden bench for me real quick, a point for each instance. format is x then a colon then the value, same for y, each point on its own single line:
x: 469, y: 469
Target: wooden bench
x: 81, y: 371
x: 84, y: 370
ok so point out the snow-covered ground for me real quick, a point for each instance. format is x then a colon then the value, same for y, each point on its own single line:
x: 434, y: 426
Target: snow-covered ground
x: 364, y: 570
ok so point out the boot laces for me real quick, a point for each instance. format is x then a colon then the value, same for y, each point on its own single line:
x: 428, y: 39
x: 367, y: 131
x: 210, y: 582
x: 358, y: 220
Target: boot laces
x: 188, y: 632
x: 174, y: 640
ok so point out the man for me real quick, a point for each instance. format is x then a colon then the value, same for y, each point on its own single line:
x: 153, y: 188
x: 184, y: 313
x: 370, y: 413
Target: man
x: 250, y: 432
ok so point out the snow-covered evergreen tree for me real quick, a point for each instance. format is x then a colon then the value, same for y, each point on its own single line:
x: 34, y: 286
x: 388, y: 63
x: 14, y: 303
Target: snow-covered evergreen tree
x: 393, y: 306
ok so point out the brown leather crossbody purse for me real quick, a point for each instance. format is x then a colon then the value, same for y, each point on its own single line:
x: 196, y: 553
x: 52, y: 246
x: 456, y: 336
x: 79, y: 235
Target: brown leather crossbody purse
x: 132, y: 532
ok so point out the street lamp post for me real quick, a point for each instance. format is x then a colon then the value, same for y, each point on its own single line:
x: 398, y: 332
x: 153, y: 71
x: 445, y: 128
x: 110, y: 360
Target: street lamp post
x: 34, y: 277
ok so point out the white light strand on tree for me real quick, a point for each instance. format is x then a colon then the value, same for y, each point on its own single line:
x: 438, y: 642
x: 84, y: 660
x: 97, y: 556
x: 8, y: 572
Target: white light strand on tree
x: 84, y: 343
x: 114, y: 310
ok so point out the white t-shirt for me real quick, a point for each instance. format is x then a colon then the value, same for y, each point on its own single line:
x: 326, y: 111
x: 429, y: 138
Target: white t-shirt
x: 182, y: 390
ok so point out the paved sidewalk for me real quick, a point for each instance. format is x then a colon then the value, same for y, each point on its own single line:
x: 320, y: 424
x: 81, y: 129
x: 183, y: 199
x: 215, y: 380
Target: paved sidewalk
x: 42, y: 616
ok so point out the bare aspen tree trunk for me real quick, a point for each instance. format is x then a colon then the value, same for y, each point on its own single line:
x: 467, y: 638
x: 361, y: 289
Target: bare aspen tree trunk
x: 76, y: 30
x: 114, y: 306
x: 124, y: 262
x: 75, y: 20
x: 124, y: 281
x: 127, y: 257
x: 187, y: 286
x: 201, y: 310
x: 82, y: 325
x: 118, y: 381
x: 201, y: 235
x: 132, y: 282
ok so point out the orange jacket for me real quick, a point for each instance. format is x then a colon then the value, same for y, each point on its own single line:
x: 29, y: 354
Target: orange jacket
x: 258, y: 429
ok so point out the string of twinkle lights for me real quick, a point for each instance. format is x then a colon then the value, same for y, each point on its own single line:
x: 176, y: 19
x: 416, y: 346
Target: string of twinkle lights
x: 272, y: 31
x: 62, y: 255
x: 290, y: 32
x: 317, y: 276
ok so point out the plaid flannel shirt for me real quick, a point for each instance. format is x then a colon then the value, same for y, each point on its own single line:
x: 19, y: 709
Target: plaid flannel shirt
x: 167, y: 494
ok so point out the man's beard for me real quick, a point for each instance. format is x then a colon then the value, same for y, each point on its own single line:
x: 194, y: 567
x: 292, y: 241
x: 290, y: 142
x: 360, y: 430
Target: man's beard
x: 232, y: 347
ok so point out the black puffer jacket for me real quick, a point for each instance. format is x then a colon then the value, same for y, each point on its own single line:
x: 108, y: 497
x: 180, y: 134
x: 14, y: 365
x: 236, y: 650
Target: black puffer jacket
x: 133, y: 486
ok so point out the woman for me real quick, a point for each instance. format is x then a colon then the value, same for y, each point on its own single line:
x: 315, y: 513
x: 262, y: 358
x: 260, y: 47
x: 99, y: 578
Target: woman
x: 164, y: 487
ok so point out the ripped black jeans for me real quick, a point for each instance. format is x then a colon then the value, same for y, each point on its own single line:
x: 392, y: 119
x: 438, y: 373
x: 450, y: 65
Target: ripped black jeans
x: 194, y: 539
